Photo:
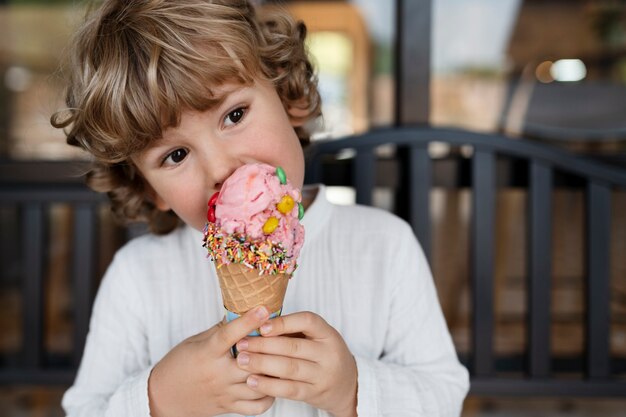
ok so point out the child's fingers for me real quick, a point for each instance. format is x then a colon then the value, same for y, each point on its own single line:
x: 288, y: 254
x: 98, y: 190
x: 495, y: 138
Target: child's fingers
x: 292, y: 347
x: 230, y: 333
x: 279, y: 366
x: 310, y: 324
x: 280, y: 388
x: 243, y: 392
x: 253, y: 408
x: 233, y: 374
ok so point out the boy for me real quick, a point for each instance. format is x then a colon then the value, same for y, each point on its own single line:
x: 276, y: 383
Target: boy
x: 170, y: 97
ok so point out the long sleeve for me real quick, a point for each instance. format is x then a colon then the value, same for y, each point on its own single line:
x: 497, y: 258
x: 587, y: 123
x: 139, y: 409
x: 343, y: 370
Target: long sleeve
x: 361, y: 269
x: 113, y: 375
x: 418, y: 373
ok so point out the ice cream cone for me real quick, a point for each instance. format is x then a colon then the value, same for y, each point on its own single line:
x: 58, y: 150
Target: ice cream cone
x: 243, y: 288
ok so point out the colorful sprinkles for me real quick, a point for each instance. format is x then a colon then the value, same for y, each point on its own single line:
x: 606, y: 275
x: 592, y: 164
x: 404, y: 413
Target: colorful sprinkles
x: 265, y: 256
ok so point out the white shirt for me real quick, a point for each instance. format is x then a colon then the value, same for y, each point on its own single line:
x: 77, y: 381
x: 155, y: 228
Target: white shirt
x: 360, y: 268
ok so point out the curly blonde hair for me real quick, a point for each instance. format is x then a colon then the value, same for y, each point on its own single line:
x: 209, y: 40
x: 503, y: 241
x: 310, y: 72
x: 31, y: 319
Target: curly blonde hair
x: 137, y: 64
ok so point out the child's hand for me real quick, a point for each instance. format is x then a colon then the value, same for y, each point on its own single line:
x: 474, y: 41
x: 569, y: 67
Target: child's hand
x: 199, y: 377
x: 317, y: 369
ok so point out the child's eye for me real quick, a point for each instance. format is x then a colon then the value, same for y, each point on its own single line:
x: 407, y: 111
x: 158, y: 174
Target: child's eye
x: 175, y: 157
x: 234, y: 116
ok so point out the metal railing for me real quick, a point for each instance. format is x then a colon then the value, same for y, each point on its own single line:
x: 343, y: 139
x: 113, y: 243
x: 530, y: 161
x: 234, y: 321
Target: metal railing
x: 415, y: 172
x: 30, y: 188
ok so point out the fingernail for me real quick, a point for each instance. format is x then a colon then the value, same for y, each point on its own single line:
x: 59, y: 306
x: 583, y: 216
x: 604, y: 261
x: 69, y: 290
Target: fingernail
x: 242, y: 345
x: 261, y: 313
x: 243, y: 358
x: 266, y: 328
x: 252, y: 381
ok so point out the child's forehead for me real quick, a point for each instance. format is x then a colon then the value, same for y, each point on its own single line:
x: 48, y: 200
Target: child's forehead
x: 217, y: 95
x: 223, y: 90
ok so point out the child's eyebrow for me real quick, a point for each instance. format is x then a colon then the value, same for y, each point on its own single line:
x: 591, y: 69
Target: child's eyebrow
x: 222, y: 94
x: 152, y: 151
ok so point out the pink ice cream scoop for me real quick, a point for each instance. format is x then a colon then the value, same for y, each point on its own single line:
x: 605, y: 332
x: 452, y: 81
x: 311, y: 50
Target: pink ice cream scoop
x: 257, y: 203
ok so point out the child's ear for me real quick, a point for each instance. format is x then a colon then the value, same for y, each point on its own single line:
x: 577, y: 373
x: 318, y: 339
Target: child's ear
x: 297, y: 116
x: 156, y: 199
x: 160, y: 203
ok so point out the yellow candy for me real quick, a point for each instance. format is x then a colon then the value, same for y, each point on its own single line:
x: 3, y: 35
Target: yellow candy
x: 286, y: 204
x: 270, y: 225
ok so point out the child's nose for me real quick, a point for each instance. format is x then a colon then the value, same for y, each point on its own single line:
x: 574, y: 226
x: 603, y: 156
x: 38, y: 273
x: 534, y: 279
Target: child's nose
x: 218, y: 170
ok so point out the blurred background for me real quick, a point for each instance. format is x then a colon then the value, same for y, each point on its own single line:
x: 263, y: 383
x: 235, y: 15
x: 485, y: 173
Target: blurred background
x: 548, y: 71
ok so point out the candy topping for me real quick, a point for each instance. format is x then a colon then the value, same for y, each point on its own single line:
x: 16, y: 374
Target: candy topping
x: 280, y: 173
x: 210, y: 215
x: 300, y: 211
x: 213, y: 198
x: 270, y: 225
x: 285, y: 205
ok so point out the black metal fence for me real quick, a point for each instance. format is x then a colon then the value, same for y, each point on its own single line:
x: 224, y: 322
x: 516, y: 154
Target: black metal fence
x: 500, y: 161
x: 28, y: 190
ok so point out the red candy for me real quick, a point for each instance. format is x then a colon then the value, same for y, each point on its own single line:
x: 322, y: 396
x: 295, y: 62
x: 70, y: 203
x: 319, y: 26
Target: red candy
x: 210, y: 215
x: 213, y: 199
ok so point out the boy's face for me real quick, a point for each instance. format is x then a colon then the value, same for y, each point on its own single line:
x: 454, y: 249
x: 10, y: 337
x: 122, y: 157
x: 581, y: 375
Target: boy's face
x: 192, y: 160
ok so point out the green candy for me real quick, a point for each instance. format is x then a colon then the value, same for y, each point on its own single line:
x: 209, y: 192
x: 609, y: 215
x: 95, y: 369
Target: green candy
x: 300, y: 211
x: 280, y: 173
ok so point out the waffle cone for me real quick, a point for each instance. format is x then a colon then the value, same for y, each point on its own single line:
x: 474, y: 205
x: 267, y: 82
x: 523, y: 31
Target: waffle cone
x: 243, y: 288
